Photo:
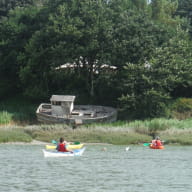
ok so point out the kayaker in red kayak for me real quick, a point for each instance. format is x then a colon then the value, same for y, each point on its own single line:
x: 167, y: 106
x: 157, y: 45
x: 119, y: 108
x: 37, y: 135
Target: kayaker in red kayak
x: 156, y: 142
x: 62, y: 146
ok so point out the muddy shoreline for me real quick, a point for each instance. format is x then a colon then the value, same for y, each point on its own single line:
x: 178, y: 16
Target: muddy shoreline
x: 36, y: 142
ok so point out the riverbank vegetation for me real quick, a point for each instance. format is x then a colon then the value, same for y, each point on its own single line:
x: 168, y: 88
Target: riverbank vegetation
x: 17, y: 115
x: 17, y: 110
x: 133, y: 55
x: 10, y: 134
x: 119, y: 133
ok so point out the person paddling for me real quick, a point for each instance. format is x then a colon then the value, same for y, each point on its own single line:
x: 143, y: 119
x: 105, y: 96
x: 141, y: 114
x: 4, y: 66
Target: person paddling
x: 158, y: 142
x: 61, y: 146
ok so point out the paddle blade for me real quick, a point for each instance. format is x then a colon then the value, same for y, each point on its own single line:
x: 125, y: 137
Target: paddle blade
x: 54, y: 142
x: 76, y: 143
x: 146, y: 144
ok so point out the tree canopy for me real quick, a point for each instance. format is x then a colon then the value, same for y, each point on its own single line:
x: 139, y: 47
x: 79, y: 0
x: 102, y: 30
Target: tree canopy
x: 134, y: 55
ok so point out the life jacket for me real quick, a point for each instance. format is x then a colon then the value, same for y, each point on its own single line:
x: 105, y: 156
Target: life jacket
x: 62, y: 147
x: 158, y: 143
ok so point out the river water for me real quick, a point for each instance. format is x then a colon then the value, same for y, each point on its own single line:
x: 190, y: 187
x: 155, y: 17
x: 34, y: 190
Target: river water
x: 24, y: 169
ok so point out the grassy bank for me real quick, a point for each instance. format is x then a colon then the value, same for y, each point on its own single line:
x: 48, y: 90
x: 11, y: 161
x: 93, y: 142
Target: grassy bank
x: 10, y: 134
x: 86, y: 134
x: 17, y: 110
x: 17, y: 115
x: 119, y: 133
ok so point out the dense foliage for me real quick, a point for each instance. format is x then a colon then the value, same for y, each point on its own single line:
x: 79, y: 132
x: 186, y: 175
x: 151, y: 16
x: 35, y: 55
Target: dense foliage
x: 134, y: 55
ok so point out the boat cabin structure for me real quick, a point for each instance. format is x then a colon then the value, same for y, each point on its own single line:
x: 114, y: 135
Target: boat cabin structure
x: 62, y: 105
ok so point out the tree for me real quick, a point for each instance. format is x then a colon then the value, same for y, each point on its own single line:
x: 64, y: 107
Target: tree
x: 135, y: 37
x: 164, y: 11
x: 146, y: 87
x: 143, y: 95
x: 176, y: 58
x: 14, y: 34
x: 184, y: 10
x: 140, y: 4
x: 7, y: 5
x: 77, y: 32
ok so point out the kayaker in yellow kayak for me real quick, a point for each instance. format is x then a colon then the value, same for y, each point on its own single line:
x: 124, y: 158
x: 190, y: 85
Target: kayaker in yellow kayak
x: 61, y: 146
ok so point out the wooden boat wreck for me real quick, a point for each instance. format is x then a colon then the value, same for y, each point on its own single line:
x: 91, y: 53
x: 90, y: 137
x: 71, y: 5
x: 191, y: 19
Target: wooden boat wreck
x: 62, y: 110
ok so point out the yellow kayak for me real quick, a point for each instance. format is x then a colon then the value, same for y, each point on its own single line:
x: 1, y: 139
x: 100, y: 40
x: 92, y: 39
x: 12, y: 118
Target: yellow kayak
x: 70, y: 146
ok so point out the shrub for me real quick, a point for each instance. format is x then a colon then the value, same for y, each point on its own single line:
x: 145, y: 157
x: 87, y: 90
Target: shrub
x: 5, y: 117
x: 182, y: 108
x: 14, y: 135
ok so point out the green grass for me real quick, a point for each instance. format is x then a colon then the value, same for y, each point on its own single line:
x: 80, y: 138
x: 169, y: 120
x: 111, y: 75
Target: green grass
x: 89, y: 135
x: 5, y: 117
x: 157, y: 124
x: 176, y: 132
x: 14, y: 135
x: 179, y: 136
x: 173, y: 131
x: 17, y: 110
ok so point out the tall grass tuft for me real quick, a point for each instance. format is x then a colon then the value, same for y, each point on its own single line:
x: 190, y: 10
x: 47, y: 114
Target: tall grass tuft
x: 17, y: 110
x: 177, y: 136
x: 182, y: 108
x: 14, y: 135
x: 5, y: 117
x: 157, y: 125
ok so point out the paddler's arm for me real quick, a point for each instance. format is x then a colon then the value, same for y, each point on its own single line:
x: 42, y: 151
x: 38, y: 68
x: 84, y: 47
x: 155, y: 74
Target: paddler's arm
x: 57, y: 148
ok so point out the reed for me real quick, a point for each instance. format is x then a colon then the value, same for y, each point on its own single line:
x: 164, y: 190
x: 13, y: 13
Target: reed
x: 14, y: 135
x: 123, y: 133
x: 87, y: 134
x: 177, y: 136
x: 17, y: 111
x: 115, y: 133
x: 5, y: 117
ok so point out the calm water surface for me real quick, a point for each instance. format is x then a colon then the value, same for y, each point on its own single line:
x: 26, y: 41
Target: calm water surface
x: 24, y: 169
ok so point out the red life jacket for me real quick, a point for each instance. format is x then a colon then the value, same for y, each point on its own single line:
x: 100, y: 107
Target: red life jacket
x: 62, y: 147
x: 158, y: 143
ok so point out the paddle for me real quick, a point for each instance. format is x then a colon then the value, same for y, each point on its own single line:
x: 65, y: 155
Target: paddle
x: 75, y: 143
x: 146, y: 144
x: 54, y: 142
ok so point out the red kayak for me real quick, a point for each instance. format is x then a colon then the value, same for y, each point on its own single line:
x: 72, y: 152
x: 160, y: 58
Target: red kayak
x: 156, y: 147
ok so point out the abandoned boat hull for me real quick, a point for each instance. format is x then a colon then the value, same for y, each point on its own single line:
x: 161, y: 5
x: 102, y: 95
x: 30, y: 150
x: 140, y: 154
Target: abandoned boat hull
x: 78, y: 116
